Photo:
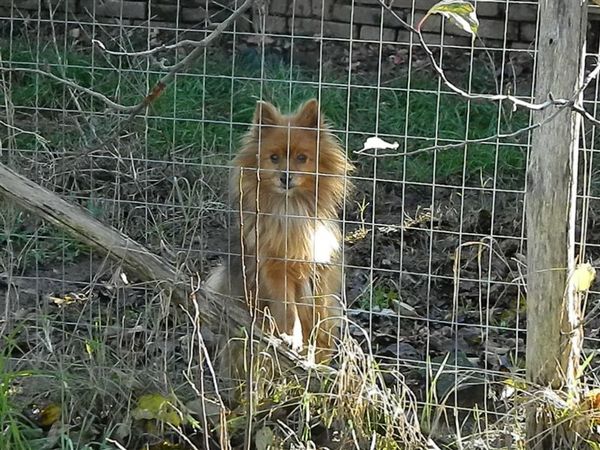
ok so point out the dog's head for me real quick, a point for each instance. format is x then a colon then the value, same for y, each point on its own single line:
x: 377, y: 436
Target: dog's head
x: 288, y: 146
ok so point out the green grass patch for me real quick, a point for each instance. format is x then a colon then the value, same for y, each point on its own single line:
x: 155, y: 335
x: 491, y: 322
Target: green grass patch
x: 26, y: 241
x: 17, y: 432
x: 382, y: 297
x: 206, y: 110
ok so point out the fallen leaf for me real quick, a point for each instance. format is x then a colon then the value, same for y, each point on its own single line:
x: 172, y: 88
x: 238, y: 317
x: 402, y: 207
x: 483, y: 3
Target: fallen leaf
x: 404, y: 308
x: 68, y: 299
x: 157, y: 407
x: 357, y: 235
x: 583, y: 277
x: 591, y: 399
x: 45, y: 416
x: 204, y: 407
x: 263, y: 439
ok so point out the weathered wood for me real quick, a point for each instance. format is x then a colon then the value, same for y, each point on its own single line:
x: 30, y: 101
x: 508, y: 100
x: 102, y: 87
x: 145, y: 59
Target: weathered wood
x: 84, y: 227
x: 554, y: 335
x: 149, y: 267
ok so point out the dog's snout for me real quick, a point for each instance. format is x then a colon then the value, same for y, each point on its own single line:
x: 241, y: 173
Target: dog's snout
x: 286, y: 180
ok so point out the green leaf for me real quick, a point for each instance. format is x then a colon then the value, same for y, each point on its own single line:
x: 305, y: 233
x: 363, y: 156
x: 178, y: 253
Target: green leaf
x: 459, y: 12
x: 157, y: 407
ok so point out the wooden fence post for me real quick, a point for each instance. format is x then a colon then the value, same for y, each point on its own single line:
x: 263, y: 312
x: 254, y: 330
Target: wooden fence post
x: 554, y: 334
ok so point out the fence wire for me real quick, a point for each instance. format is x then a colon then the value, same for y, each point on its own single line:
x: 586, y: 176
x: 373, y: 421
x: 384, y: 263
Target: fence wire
x: 435, y: 245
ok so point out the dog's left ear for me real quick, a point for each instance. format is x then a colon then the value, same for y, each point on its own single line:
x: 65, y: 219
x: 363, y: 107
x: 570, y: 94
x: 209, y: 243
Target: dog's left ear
x: 309, y: 115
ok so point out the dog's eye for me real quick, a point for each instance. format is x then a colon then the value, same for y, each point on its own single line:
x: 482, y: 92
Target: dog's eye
x: 274, y: 157
x: 301, y: 158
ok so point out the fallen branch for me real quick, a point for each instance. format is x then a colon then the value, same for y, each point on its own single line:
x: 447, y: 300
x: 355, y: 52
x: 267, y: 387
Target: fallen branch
x: 356, y: 376
x: 146, y: 265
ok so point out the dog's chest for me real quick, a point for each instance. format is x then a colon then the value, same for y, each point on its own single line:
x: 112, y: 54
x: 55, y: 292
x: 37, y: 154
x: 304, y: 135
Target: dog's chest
x: 297, y: 239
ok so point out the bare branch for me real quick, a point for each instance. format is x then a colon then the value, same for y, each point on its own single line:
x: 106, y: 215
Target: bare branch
x: 560, y: 104
x: 193, y: 55
x: 590, y: 77
x: 460, y: 144
x: 185, y: 43
x: 150, y: 51
x: 490, y: 97
x: 41, y: 139
x: 585, y: 114
x: 72, y: 85
x: 160, y: 86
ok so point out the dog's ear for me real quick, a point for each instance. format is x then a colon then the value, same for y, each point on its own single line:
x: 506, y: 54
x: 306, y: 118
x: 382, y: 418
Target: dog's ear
x: 309, y: 116
x: 265, y: 114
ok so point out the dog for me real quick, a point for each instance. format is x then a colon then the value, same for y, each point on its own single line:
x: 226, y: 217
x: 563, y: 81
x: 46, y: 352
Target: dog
x: 289, y: 182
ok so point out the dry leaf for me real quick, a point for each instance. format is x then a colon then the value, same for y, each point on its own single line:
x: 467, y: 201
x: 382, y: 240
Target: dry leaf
x: 157, y: 407
x: 68, y: 299
x: 49, y: 415
x: 459, y: 12
x: 583, y: 277
x: 263, y: 439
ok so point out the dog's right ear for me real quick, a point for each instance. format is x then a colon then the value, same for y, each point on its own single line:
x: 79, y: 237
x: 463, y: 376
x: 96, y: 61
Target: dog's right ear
x: 265, y: 114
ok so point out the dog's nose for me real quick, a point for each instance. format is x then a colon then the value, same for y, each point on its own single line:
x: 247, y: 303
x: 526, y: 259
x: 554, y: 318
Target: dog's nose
x: 286, y: 180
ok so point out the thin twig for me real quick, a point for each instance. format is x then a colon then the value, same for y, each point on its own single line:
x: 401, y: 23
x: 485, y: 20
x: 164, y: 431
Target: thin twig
x: 590, y: 77
x: 585, y: 114
x: 73, y: 85
x: 560, y: 104
x: 41, y: 139
x: 151, y: 51
x: 160, y: 86
x: 498, y: 136
x: 490, y: 97
x: 185, y: 43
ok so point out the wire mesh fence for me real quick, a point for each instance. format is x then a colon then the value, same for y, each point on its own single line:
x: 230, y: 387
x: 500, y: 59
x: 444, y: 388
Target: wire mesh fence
x: 433, y: 235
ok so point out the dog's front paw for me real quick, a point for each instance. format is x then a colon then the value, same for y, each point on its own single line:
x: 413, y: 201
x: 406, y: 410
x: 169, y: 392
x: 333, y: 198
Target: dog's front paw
x: 293, y: 341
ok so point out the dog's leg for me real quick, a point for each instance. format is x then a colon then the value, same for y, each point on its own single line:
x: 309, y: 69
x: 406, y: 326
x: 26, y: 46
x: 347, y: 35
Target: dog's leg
x: 278, y: 294
x: 326, y: 314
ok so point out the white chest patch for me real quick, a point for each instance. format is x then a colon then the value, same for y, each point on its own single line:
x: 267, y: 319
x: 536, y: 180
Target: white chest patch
x: 325, y: 245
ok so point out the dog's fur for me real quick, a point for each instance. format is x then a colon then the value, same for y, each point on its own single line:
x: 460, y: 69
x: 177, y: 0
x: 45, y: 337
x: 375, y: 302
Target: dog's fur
x: 293, y: 171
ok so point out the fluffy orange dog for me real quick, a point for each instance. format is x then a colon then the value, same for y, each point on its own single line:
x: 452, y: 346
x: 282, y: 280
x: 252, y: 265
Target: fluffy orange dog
x: 290, y: 183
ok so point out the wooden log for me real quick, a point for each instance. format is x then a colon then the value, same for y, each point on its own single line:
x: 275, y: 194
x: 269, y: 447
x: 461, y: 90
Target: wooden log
x: 146, y: 265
